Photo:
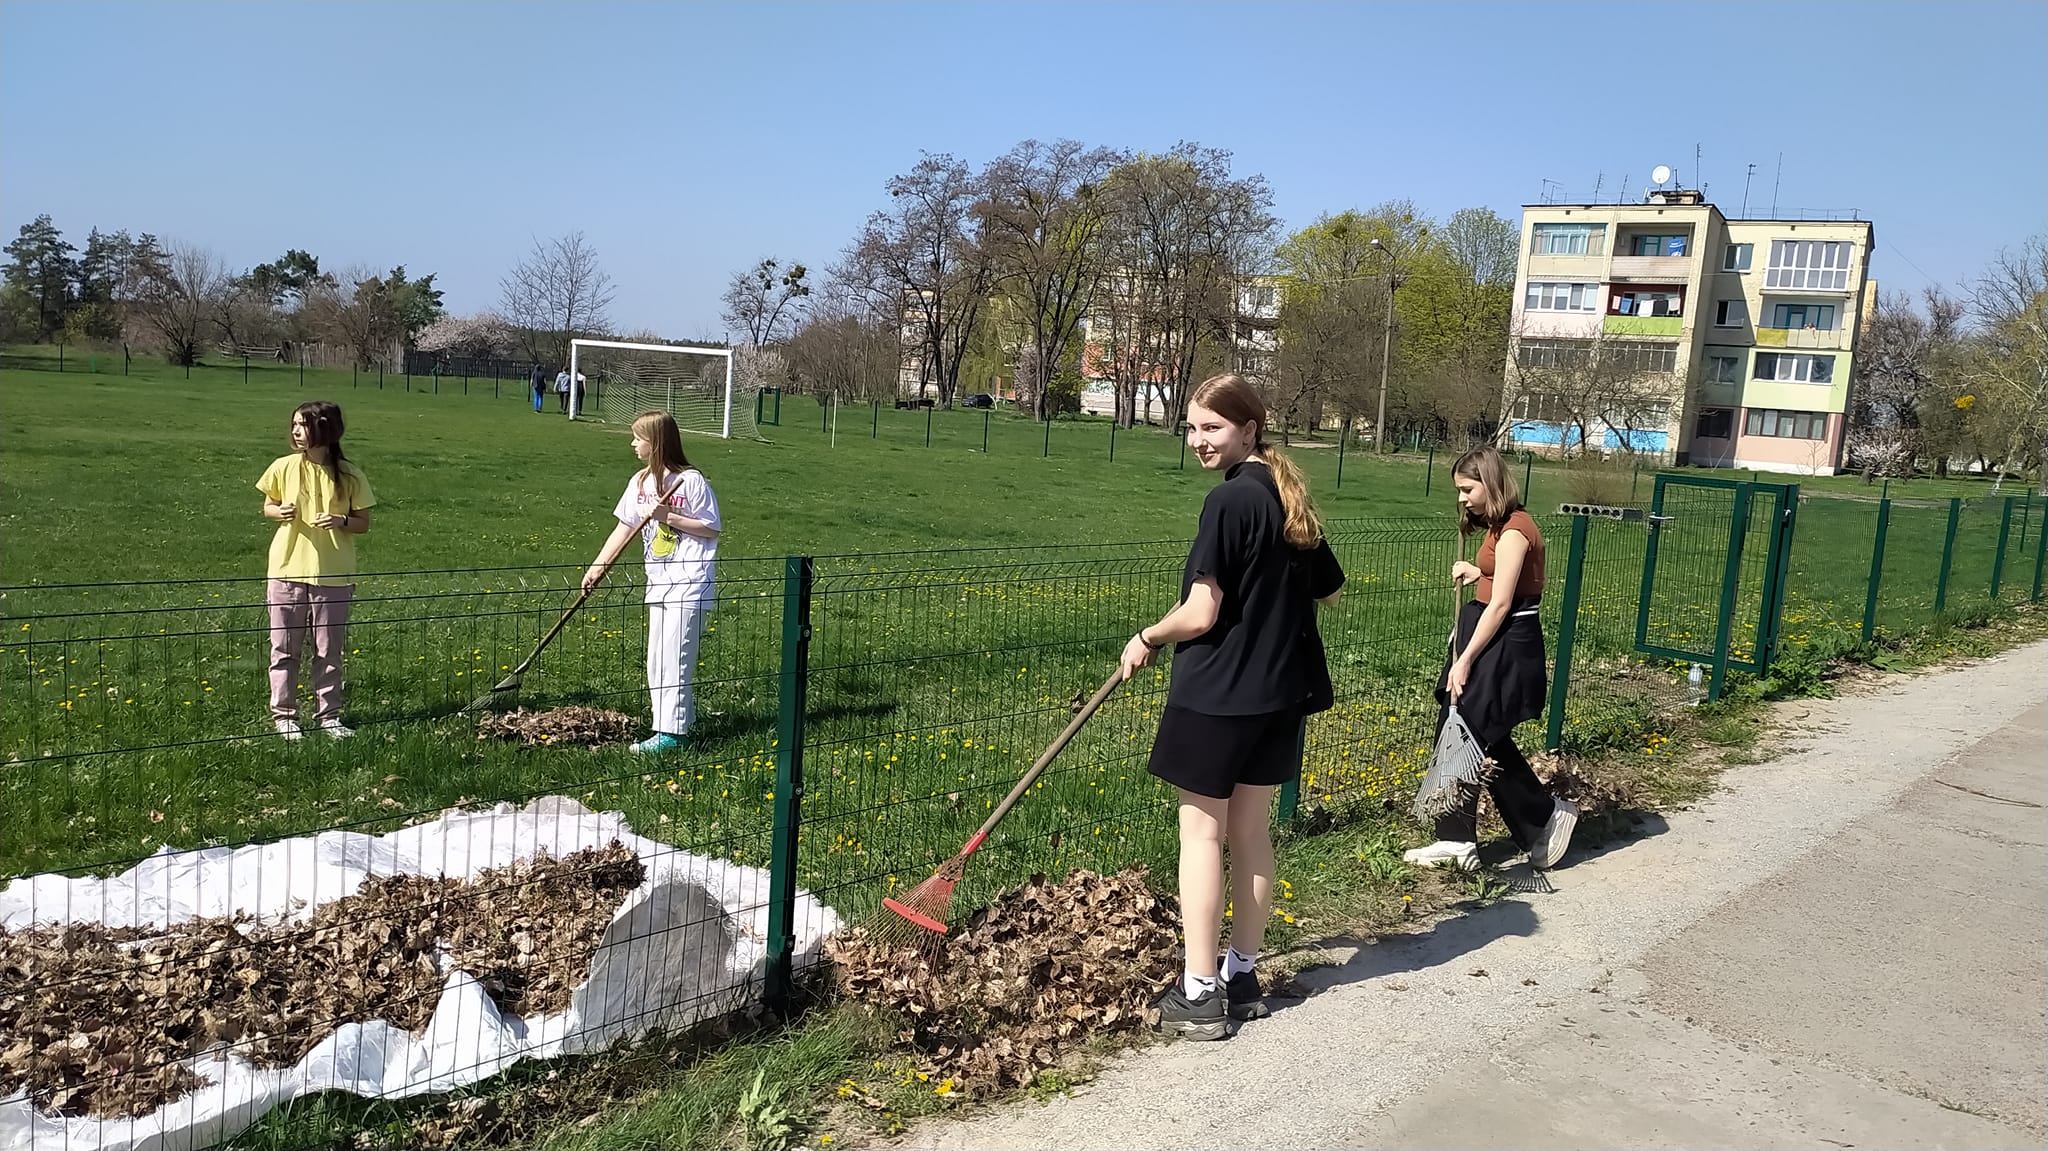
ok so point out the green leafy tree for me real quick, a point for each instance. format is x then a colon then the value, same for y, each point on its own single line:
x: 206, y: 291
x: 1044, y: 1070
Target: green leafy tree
x: 40, y: 262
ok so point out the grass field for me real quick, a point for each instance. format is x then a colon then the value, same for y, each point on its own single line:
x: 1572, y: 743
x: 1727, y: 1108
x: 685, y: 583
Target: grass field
x: 962, y: 598
x: 135, y: 706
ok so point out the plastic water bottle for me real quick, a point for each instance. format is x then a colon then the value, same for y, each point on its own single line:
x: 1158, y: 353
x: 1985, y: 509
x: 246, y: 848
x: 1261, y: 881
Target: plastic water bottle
x: 1695, y: 687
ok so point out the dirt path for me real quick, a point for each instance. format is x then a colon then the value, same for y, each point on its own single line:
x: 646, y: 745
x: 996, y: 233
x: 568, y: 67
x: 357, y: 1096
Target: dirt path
x: 1844, y: 947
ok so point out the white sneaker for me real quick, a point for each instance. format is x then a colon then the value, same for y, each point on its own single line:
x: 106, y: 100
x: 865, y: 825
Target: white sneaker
x: 1463, y: 856
x: 288, y: 729
x: 1557, y: 835
x: 335, y: 730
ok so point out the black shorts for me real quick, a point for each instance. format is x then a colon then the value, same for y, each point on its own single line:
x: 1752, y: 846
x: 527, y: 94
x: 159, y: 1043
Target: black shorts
x: 1211, y: 754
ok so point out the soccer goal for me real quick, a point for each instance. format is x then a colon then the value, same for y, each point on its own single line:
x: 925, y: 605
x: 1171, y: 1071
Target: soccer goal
x: 693, y: 384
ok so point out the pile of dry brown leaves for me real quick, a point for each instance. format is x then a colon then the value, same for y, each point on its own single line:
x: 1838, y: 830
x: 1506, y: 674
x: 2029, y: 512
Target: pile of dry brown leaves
x: 556, y: 725
x: 94, y: 1021
x: 1026, y: 980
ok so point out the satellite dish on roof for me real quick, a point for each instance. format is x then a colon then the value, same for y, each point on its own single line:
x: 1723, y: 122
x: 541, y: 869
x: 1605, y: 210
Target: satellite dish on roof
x: 1660, y: 175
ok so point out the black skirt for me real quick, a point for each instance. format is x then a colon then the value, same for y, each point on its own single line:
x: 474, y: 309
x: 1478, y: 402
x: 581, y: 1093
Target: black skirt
x: 1509, y: 683
x: 1211, y: 754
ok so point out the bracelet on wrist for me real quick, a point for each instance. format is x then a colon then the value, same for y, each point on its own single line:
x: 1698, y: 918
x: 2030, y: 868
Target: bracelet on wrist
x: 1148, y: 643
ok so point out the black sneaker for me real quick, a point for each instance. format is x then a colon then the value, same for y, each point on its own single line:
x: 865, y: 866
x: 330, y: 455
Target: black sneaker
x: 1202, y: 1017
x: 1246, y: 1001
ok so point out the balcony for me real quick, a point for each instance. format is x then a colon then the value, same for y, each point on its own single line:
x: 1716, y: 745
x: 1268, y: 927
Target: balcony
x: 1655, y: 269
x: 1812, y: 339
x: 1644, y: 325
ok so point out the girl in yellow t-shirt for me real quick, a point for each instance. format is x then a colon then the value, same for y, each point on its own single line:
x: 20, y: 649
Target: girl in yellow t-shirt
x: 320, y: 503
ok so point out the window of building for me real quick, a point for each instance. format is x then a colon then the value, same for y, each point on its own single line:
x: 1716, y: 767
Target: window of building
x: 1822, y: 265
x: 1714, y: 424
x: 1731, y: 313
x: 1794, y: 368
x: 1554, y: 297
x: 1786, y: 425
x: 1723, y: 368
x: 1553, y: 353
x: 1262, y: 297
x: 1642, y: 357
x: 1657, y: 245
x: 1570, y: 240
x: 1649, y: 303
x: 1649, y: 416
x: 1542, y: 408
x: 1736, y: 257
x: 1818, y: 316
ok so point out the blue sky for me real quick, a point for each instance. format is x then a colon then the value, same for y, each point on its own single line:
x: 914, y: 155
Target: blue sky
x: 689, y: 140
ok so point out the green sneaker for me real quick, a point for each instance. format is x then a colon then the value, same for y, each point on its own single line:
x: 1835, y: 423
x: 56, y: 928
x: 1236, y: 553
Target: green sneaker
x: 656, y: 744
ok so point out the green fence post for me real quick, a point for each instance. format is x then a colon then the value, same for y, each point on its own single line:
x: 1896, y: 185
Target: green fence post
x: 1528, y: 471
x: 1998, y: 561
x: 984, y: 431
x: 1048, y: 437
x: 245, y: 368
x: 2040, y: 558
x: 1567, y: 632
x: 1290, y: 792
x: 1777, y: 573
x: 928, y: 427
x: 824, y: 417
x: 1948, y: 552
x: 798, y: 576
x: 1183, y: 465
x: 1340, y: 454
x: 302, y: 367
x: 1884, y: 519
x: 1428, y: 470
x: 1112, y: 441
x: 875, y: 428
x: 1731, y: 582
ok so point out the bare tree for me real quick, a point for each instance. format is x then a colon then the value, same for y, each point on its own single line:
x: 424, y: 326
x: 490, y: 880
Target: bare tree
x: 1045, y: 217
x: 845, y: 347
x: 765, y: 301
x: 1899, y: 354
x: 1593, y: 387
x: 2009, y: 359
x: 173, y: 294
x: 1181, y: 232
x: 358, y: 312
x: 928, y: 261
x: 556, y: 294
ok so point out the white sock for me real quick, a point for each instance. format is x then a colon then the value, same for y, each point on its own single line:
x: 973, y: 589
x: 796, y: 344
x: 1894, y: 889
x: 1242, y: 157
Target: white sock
x: 1236, y: 963
x: 1196, y: 986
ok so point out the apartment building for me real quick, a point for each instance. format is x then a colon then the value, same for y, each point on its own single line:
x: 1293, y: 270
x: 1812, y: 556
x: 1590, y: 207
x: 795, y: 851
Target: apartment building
x: 1665, y: 327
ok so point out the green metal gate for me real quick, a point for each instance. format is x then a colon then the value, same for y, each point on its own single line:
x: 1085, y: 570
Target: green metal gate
x: 1714, y: 573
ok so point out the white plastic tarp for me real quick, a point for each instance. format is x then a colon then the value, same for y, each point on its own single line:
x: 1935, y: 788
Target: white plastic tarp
x: 690, y: 943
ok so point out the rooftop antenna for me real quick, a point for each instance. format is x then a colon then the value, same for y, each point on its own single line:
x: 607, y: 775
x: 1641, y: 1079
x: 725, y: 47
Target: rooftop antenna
x: 1697, y: 181
x: 1548, y: 193
x: 1621, y: 189
x: 1745, y: 190
x: 1775, y: 183
x: 1599, y: 179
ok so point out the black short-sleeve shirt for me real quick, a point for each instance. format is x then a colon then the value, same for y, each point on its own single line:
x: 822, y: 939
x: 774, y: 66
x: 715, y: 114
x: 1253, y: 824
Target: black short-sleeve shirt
x: 1264, y: 653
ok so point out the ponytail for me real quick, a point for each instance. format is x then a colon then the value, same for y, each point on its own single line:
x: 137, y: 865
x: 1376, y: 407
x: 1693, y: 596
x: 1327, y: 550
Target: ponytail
x: 1304, y: 525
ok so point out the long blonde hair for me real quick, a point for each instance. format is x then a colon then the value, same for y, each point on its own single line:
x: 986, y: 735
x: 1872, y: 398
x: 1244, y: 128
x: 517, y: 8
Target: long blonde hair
x: 1503, y: 494
x: 665, y: 456
x: 1232, y: 396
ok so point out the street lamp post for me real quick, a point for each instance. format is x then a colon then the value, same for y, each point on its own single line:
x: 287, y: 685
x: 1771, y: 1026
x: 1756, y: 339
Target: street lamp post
x: 1379, y: 426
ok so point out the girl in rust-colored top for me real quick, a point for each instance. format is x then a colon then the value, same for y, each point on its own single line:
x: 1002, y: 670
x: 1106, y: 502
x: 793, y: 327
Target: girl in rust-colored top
x: 1495, y: 672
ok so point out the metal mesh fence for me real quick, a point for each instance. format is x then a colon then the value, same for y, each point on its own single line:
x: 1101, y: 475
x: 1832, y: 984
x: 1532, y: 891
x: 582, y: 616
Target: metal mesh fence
x: 135, y: 723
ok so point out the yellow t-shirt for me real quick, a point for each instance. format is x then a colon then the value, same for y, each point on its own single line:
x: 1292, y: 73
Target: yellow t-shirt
x: 299, y: 551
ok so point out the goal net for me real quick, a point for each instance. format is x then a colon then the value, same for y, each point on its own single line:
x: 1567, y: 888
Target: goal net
x: 696, y: 385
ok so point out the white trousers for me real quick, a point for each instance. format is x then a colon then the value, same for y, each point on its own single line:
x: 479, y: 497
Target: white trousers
x: 673, y: 632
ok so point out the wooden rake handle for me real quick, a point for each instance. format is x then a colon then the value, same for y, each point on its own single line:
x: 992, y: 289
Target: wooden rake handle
x: 1045, y: 759
x: 583, y: 596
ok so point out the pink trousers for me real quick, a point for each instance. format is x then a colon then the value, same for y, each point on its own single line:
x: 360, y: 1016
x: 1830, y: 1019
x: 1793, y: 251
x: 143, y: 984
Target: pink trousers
x: 294, y: 608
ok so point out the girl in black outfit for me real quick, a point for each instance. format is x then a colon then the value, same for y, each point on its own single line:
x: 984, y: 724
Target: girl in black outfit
x: 1495, y: 672
x: 1248, y: 669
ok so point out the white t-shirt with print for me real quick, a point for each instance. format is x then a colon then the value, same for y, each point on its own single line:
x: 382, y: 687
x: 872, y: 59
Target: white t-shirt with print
x: 679, y: 565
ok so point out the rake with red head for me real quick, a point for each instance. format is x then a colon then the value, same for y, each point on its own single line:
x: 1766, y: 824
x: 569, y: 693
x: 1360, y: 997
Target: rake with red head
x: 927, y: 905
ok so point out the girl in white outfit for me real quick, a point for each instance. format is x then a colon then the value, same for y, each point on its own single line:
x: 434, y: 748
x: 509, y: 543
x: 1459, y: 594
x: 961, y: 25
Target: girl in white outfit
x: 680, y: 544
